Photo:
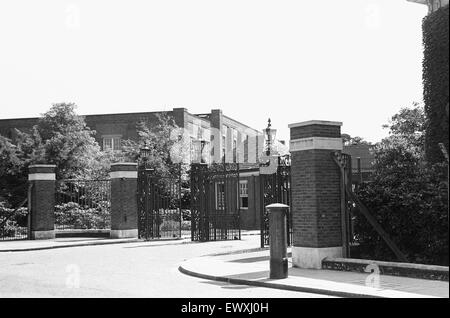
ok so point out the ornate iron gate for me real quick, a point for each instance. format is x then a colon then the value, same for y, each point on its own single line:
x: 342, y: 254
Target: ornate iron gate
x: 82, y: 204
x: 276, y: 188
x: 214, y: 202
x: 159, y: 204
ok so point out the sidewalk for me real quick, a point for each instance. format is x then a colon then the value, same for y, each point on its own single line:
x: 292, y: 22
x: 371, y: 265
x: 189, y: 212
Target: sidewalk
x: 252, y: 268
x: 35, y: 245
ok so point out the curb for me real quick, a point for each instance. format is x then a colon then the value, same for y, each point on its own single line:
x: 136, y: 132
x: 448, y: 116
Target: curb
x: 250, y: 250
x: 28, y: 249
x: 238, y: 281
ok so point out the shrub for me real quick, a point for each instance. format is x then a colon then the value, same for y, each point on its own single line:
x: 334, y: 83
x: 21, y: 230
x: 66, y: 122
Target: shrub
x: 407, y: 195
x: 72, y: 215
x: 15, y: 224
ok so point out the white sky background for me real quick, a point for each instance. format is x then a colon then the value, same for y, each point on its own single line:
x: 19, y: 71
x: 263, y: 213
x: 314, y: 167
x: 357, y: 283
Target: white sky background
x: 355, y: 61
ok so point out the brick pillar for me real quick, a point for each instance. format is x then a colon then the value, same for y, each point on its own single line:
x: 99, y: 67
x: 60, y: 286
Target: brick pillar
x: 42, y: 178
x: 124, y: 209
x: 316, y: 206
x: 180, y: 117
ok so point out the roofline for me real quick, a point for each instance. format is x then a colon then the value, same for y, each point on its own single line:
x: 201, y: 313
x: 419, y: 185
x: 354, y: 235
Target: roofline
x: 238, y: 122
x: 316, y: 122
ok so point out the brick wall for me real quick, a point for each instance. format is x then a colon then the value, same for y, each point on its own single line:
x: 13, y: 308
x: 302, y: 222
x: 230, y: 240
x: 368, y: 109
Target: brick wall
x: 124, y: 204
x: 316, y: 131
x: 43, y: 205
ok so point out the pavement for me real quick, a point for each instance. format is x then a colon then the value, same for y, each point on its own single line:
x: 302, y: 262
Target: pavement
x: 239, y: 263
x: 62, y: 242
x: 252, y: 268
x: 35, y: 245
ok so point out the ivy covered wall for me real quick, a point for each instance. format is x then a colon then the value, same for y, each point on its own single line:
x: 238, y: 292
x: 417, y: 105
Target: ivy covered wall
x: 435, y: 82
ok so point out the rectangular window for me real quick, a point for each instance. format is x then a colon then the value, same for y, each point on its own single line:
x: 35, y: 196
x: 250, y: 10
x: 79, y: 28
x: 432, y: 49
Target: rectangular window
x: 224, y: 149
x: 243, y: 194
x: 234, y: 150
x: 220, y: 195
x: 194, y: 151
x: 112, y: 143
x: 116, y: 143
x: 204, y: 152
x: 246, y: 148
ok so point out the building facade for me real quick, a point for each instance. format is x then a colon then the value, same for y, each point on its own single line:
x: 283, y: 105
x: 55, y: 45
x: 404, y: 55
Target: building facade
x: 433, y: 5
x: 210, y: 137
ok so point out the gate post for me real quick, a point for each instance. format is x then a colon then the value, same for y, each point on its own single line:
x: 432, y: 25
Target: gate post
x: 316, y: 200
x: 278, y: 240
x: 124, y: 208
x: 42, y: 197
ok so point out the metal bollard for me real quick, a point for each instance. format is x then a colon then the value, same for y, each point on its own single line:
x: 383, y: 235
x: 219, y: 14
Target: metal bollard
x: 278, y: 240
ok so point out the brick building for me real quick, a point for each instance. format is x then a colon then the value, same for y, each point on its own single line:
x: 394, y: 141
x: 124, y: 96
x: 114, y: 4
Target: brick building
x: 211, y: 136
x: 433, y: 5
x: 362, y: 161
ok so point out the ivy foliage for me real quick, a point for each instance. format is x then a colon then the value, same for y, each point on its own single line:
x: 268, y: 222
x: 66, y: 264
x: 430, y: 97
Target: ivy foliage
x: 436, y: 81
x: 407, y: 196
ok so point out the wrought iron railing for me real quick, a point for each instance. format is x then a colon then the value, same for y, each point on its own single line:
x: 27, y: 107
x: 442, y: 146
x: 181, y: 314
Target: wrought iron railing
x: 83, y: 204
x: 215, y: 210
x: 14, y: 222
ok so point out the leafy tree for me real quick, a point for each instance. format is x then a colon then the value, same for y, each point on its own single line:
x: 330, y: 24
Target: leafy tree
x: 68, y: 143
x: 406, y: 195
x: 12, y: 176
x: 162, y: 139
x: 60, y: 137
x: 349, y: 140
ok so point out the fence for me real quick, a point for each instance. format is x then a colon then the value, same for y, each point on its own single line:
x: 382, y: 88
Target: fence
x: 83, y: 204
x: 14, y: 220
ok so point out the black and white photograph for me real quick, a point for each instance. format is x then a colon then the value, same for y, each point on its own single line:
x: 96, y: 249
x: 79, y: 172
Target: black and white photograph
x: 221, y: 157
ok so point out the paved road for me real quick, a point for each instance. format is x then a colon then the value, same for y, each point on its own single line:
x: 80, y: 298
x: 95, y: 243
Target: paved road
x: 143, y: 269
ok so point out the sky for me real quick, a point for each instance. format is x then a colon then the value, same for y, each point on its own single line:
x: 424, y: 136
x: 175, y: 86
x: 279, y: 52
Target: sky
x: 354, y: 61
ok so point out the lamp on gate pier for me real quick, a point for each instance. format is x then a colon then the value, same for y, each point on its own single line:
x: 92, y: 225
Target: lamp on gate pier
x: 269, y: 137
x: 144, y: 153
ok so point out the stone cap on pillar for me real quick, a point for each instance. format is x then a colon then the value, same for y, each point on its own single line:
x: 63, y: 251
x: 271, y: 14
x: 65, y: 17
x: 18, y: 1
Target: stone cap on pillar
x: 41, y: 172
x: 277, y: 207
x: 123, y: 170
x: 315, y: 122
x: 316, y: 134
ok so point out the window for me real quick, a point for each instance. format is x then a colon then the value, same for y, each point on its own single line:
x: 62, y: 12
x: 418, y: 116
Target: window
x: 243, y: 194
x: 194, y: 150
x: 204, y: 152
x: 211, y: 138
x: 245, y: 148
x: 112, y: 143
x: 224, y: 140
x: 220, y: 195
x: 234, y: 150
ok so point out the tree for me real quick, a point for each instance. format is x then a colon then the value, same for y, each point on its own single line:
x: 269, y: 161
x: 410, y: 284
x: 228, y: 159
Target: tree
x: 408, y: 128
x: 406, y: 195
x: 349, y: 140
x: 162, y: 139
x: 60, y: 137
x: 12, y: 177
x: 69, y: 143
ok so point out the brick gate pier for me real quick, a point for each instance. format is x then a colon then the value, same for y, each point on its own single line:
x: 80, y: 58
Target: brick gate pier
x: 316, y: 200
